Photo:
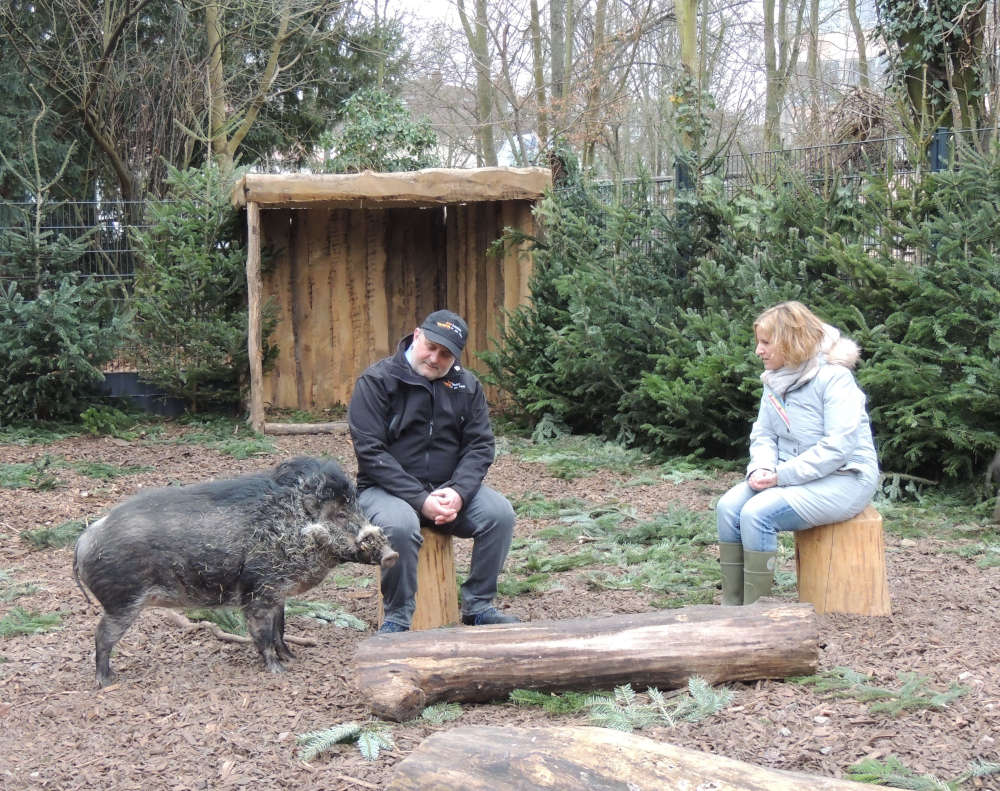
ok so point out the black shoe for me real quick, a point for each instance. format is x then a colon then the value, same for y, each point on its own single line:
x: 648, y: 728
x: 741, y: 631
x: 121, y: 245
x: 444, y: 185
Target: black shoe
x: 487, y: 617
x: 390, y: 627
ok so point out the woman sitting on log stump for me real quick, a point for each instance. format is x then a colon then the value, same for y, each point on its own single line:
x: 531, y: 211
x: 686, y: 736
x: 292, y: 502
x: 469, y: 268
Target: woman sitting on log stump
x: 812, y: 459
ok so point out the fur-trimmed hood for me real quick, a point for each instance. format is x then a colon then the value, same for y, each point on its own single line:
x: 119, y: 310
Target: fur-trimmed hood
x: 833, y: 349
x: 838, y: 349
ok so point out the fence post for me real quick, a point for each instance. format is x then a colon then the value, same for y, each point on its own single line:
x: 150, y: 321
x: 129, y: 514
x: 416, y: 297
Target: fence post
x: 682, y: 175
x: 940, y: 149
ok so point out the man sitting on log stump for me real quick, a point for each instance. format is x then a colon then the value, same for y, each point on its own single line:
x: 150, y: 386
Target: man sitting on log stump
x: 812, y: 459
x: 422, y: 437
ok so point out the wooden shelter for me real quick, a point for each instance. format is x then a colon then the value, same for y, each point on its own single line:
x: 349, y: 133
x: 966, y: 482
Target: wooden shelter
x: 354, y: 262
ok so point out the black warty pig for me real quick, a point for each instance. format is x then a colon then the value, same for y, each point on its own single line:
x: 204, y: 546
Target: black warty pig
x: 250, y: 542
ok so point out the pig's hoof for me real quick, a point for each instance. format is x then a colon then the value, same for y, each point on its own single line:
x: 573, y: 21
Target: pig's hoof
x: 276, y: 667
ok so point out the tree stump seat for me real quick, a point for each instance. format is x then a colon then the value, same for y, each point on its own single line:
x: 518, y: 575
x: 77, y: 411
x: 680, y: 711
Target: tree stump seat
x: 437, y: 593
x: 841, y: 566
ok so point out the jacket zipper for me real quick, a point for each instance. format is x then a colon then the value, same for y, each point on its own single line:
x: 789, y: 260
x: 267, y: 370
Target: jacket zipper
x: 430, y: 435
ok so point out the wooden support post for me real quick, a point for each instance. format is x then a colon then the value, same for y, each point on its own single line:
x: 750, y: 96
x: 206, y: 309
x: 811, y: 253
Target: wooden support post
x: 576, y: 758
x: 254, y: 289
x: 841, y: 566
x: 399, y: 674
x: 437, y: 592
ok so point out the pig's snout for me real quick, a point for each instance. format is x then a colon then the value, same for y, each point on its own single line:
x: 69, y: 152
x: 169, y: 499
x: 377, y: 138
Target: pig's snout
x: 372, y: 541
x: 389, y: 557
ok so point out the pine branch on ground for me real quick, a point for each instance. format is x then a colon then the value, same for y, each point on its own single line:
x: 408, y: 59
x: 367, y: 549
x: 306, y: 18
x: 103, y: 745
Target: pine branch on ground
x: 440, y: 713
x: 552, y: 702
x: 324, y: 612
x: 21, y: 621
x: 846, y: 683
x: 625, y: 712
x: 10, y: 590
x: 371, y: 737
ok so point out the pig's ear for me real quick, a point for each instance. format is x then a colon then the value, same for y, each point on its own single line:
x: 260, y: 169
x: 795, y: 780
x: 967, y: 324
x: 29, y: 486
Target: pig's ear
x: 318, y: 533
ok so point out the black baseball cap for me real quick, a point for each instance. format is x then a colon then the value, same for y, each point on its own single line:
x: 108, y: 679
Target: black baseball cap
x: 447, y: 329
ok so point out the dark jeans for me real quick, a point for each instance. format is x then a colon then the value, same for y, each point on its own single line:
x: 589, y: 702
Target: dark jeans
x: 488, y: 520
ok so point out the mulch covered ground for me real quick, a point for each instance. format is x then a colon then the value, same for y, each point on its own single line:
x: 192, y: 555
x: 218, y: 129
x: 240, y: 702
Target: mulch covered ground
x: 188, y: 711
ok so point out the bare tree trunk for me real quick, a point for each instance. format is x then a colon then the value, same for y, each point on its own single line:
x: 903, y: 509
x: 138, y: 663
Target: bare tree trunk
x: 781, y: 52
x: 772, y: 90
x: 538, y: 73
x: 479, y: 46
x: 592, y: 110
x: 399, y: 674
x: 226, y: 129
x: 489, y: 758
x: 557, y: 42
x: 687, y: 31
x: 216, y: 85
x: 812, y: 68
x: 569, y: 38
x: 859, y: 39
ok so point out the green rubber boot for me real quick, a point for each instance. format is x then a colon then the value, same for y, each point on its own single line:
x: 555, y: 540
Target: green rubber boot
x: 731, y: 561
x: 758, y: 574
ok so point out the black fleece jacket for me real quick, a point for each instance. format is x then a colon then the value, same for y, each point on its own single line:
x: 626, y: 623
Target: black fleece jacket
x: 412, y: 435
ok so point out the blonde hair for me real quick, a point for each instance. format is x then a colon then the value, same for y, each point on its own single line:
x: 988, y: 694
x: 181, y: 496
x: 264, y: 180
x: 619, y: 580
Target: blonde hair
x: 794, y: 330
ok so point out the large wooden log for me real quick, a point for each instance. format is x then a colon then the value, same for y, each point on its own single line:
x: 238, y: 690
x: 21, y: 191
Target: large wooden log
x: 332, y: 427
x: 399, y: 674
x: 429, y: 187
x: 484, y: 758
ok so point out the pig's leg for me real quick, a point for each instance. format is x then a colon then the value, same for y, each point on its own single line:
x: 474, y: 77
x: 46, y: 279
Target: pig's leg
x: 109, y: 631
x: 284, y: 652
x: 262, y: 624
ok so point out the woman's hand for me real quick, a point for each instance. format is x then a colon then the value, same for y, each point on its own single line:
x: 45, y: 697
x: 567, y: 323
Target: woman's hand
x: 762, y: 479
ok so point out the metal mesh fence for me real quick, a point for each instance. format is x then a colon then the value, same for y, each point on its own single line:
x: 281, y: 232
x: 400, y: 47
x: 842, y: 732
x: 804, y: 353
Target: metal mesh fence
x: 107, y: 231
x: 819, y: 168
x: 108, y: 227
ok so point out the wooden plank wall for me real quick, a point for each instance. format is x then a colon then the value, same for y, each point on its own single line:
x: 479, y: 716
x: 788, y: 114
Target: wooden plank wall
x: 349, y: 283
x: 480, y: 285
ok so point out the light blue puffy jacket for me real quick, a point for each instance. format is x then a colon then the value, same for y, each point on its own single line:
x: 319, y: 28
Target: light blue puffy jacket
x: 823, y: 453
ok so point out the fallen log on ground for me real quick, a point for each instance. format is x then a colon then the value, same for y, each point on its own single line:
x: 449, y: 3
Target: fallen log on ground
x: 334, y: 427
x: 484, y: 758
x: 399, y: 674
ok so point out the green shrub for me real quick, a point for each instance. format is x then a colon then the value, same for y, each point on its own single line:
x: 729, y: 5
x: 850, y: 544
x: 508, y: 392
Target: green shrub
x: 372, y: 737
x: 932, y: 378
x: 101, y: 421
x: 190, y: 293
x: 53, y: 343
x: 56, y: 329
x: 378, y: 133
x: 640, y: 326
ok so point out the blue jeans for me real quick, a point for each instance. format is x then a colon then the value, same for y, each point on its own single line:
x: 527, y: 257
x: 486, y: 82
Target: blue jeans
x: 753, y: 518
x: 488, y: 520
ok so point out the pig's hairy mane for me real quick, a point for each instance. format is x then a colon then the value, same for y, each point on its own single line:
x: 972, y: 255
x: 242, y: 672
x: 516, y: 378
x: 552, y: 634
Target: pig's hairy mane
x: 275, y: 505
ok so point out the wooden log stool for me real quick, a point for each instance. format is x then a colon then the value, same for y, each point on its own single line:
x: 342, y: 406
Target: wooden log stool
x: 437, y: 593
x: 841, y: 566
